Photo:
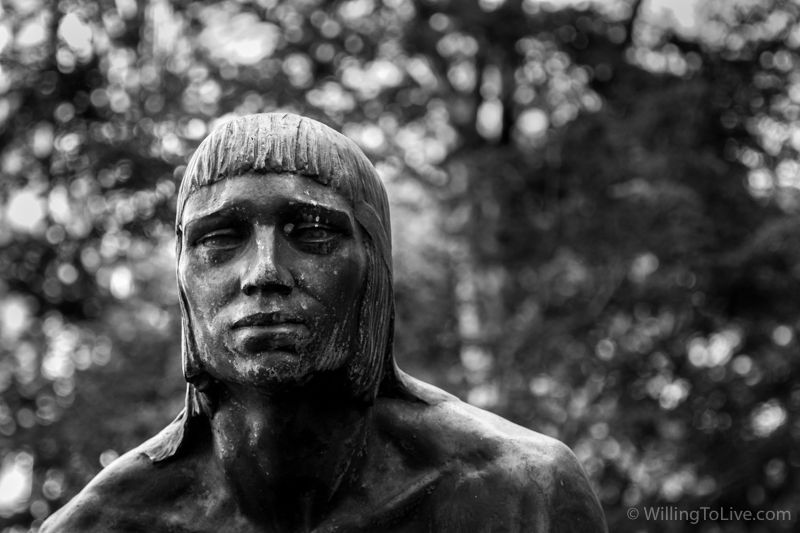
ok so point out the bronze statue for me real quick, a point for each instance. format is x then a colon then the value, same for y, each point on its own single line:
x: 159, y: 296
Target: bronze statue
x: 297, y: 418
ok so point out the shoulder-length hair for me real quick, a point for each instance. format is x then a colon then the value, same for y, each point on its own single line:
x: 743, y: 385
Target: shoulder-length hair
x: 271, y: 143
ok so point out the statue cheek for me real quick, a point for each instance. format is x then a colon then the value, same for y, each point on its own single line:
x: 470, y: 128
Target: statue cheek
x: 351, y: 280
x: 212, y: 283
x: 333, y: 289
x: 203, y: 299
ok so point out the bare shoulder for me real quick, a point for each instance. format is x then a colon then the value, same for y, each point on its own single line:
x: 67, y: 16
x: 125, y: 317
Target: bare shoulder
x: 497, y: 468
x: 126, y: 496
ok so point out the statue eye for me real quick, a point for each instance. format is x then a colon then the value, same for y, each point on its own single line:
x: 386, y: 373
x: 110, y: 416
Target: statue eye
x: 223, y: 239
x: 316, y: 229
x: 314, y: 235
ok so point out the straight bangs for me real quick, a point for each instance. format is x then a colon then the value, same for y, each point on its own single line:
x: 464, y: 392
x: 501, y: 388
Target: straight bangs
x: 284, y: 142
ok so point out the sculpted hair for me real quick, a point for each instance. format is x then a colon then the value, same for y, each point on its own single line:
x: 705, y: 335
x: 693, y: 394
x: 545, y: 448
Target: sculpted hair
x: 275, y: 143
x: 283, y: 142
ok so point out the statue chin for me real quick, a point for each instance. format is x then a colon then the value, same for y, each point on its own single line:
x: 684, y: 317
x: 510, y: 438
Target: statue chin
x: 274, y: 355
x: 261, y: 368
x: 271, y: 364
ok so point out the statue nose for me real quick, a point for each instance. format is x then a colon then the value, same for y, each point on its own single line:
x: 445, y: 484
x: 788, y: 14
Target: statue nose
x: 264, y: 270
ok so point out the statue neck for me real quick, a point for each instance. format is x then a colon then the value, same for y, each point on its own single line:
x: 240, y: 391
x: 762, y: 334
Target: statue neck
x: 286, y: 455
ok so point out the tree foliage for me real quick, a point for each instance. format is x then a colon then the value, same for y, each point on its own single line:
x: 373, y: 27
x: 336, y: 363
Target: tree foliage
x: 595, y: 222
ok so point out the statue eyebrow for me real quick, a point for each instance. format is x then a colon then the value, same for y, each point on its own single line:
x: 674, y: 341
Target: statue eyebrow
x: 306, y: 209
x: 223, y: 212
x: 332, y: 215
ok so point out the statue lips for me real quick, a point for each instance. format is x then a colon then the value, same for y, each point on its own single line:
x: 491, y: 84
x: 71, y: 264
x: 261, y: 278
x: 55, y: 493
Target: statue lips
x: 275, y: 331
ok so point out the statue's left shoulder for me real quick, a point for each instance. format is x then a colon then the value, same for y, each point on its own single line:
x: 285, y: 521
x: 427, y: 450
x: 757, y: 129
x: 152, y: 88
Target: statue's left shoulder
x: 547, y: 468
x: 494, y: 472
x: 489, y: 472
x: 540, y: 472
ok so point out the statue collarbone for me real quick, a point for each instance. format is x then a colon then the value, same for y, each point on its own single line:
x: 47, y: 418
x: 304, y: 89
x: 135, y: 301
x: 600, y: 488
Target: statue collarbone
x: 446, y: 466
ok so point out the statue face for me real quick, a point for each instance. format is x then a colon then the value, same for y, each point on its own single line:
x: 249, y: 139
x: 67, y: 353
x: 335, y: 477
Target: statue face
x: 272, y: 268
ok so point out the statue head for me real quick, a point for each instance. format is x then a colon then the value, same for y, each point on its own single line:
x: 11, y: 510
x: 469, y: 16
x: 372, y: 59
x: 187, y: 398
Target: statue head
x: 279, y: 149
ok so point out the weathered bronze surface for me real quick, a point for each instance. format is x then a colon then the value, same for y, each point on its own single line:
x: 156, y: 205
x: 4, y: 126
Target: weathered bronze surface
x: 297, y: 418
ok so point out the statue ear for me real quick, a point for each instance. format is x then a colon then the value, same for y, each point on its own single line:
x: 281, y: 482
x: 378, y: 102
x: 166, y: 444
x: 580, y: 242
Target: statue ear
x: 192, y: 367
x: 200, y: 383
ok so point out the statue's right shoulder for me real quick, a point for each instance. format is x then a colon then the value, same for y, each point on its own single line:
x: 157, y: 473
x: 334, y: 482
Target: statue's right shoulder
x: 110, y: 500
x: 130, y: 494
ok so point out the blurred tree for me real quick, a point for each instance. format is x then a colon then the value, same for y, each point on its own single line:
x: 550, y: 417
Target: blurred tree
x: 595, y: 211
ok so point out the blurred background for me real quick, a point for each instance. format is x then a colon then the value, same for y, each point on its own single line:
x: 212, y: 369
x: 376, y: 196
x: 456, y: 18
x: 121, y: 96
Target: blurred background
x: 595, y: 209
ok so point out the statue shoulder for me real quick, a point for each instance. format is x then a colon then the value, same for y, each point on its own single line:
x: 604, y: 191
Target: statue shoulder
x: 98, y: 507
x: 493, y: 467
x: 544, y: 470
x: 127, y: 495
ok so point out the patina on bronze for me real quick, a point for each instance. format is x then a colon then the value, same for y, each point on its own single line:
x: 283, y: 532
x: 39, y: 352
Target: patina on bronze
x: 297, y: 418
